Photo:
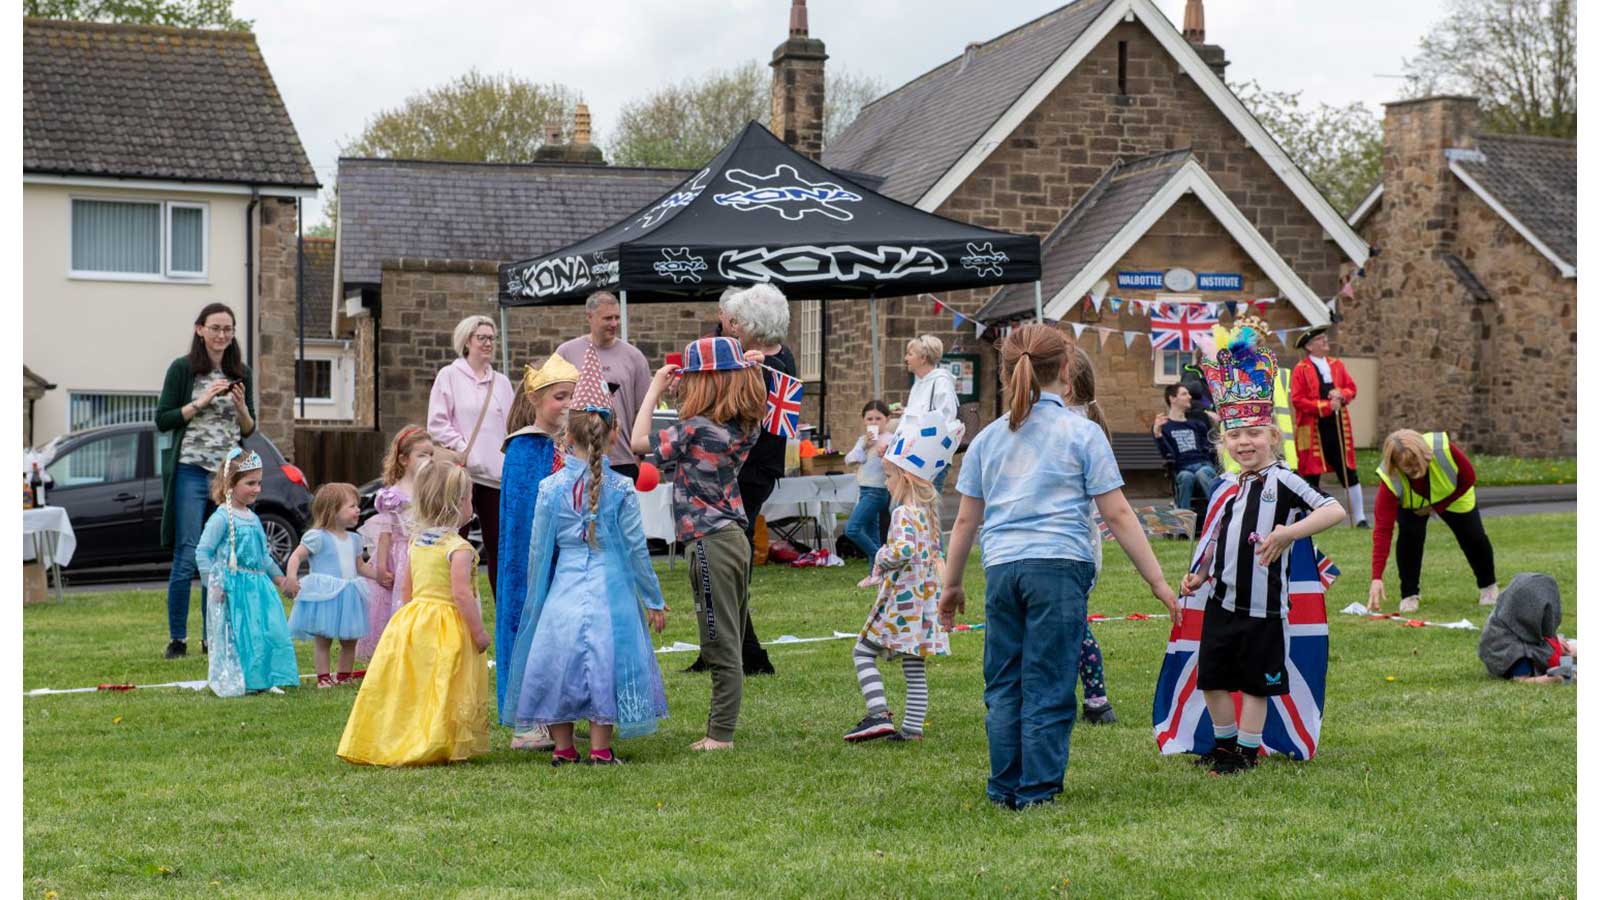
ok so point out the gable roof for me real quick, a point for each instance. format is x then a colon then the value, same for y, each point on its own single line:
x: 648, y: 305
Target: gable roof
x: 962, y: 117
x: 1121, y: 207
x: 1532, y: 182
x: 483, y: 211
x: 965, y: 95
x: 318, y: 288
x: 136, y: 101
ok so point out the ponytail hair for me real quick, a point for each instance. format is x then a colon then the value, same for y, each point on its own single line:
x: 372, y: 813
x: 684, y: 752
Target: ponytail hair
x: 1031, y: 357
x: 591, y: 434
x: 1083, y: 389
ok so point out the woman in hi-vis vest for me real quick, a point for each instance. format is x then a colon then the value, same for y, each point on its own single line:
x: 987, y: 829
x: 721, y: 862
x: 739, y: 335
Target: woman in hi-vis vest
x: 1423, y: 475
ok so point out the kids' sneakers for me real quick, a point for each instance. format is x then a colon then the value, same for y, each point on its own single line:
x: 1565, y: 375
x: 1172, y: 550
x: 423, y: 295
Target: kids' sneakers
x: 874, y: 726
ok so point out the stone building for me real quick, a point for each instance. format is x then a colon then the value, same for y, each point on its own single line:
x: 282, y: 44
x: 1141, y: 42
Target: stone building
x: 1047, y: 129
x: 1470, y: 299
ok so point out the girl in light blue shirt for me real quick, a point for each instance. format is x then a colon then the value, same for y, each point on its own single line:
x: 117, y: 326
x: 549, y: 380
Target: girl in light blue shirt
x: 1029, y: 479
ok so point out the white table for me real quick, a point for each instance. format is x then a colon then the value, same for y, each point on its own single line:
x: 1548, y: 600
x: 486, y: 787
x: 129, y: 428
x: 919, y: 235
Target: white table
x: 818, y: 497
x: 47, y: 536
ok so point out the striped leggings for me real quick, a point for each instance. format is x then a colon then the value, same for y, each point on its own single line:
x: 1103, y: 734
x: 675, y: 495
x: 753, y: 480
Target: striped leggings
x: 871, y: 681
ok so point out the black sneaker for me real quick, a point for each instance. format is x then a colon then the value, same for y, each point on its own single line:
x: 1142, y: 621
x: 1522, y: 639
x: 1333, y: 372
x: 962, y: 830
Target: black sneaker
x: 1364, y: 525
x: 557, y: 762
x: 873, y: 726
x: 1231, y: 761
x: 1099, y: 715
x: 906, y: 737
x: 1210, y: 757
x: 612, y: 760
x: 205, y: 649
x: 177, y: 650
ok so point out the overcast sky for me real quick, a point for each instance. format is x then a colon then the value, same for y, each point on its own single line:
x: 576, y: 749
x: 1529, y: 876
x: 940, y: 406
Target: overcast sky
x: 338, y: 63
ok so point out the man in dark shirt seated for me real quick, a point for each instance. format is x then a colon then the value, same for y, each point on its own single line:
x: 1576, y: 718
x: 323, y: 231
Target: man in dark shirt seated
x: 1186, y: 443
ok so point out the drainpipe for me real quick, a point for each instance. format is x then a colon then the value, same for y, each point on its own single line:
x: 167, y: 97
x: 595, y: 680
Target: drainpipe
x: 250, y: 280
x: 300, y: 303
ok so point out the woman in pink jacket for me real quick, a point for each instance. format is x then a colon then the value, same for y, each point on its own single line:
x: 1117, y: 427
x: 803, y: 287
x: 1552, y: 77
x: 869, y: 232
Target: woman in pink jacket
x: 459, y: 422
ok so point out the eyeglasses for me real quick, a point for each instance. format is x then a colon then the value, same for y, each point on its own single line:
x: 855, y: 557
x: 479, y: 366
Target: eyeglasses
x: 483, y: 338
x: 220, y: 330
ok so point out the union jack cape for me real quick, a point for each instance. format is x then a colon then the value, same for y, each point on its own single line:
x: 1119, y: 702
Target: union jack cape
x: 1294, y: 720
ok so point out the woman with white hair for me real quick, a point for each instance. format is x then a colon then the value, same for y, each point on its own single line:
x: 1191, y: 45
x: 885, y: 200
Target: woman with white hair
x: 467, y: 416
x: 934, y: 389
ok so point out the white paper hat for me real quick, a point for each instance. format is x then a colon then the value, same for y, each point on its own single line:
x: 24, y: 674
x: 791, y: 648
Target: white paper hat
x: 925, y: 445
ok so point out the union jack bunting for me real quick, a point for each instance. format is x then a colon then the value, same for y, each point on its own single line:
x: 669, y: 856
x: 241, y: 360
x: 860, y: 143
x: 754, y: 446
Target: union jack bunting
x: 782, y: 417
x: 1175, y: 326
x: 1294, y: 720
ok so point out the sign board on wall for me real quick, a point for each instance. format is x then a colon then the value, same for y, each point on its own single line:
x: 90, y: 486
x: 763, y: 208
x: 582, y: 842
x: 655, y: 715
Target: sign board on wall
x: 1219, y: 281
x: 963, y: 367
x: 1180, y: 280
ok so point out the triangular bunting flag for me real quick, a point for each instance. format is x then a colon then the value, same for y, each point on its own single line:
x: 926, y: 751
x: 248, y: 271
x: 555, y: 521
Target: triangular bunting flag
x: 1097, y: 301
x: 1283, y: 337
x: 1116, y: 306
x: 1128, y: 337
x: 938, y: 307
x: 1077, y: 329
x: 981, y: 328
x: 1229, y: 304
x: 1211, y: 309
x: 1105, y: 335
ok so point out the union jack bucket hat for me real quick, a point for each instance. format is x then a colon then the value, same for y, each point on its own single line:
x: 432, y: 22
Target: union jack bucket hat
x: 714, y: 354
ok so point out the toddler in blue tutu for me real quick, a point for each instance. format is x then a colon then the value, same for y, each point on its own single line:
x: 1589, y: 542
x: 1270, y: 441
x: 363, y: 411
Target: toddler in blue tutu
x: 330, y: 603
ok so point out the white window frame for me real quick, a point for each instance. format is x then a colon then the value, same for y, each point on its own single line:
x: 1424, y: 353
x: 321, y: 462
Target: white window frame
x: 167, y: 275
x: 205, y: 241
x: 810, y: 356
x: 333, y: 372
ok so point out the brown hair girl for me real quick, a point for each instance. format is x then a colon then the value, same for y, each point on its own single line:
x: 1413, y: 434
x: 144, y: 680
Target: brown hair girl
x: 1083, y: 389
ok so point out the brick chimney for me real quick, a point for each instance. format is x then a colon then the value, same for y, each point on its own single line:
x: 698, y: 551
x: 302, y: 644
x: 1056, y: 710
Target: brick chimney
x: 1419, y: 193
x: 1194, y: 31
x: 798, y: 78
x: 580, y: 151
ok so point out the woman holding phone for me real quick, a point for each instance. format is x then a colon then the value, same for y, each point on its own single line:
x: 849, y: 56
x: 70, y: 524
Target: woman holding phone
x: 207, y: 407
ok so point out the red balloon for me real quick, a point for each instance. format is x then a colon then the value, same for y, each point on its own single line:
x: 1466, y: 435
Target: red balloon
x: 649, y: 478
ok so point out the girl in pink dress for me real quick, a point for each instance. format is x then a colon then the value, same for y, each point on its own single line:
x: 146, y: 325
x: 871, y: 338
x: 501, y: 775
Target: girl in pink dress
x: 389, y: 532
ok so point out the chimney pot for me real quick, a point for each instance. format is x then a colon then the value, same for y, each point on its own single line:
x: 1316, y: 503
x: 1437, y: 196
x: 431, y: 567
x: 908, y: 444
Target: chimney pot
x: 580, y: 129
x: 552, y: 133
x: 1194, y: 22
x: 798, y: 26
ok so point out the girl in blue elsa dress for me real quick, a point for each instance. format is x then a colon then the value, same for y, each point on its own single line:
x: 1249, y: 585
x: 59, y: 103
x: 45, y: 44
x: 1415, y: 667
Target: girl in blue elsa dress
x: 250, y: 646
x: 583, y: 650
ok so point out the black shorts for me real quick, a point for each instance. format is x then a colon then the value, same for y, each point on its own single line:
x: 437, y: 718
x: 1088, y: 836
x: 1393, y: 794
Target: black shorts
x: 1241, y: 653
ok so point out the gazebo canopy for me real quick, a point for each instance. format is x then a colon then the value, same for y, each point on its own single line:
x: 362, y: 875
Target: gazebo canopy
x: 760, y: 212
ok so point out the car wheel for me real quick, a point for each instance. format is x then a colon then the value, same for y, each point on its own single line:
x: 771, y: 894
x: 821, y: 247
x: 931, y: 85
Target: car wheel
x: 281, y: 536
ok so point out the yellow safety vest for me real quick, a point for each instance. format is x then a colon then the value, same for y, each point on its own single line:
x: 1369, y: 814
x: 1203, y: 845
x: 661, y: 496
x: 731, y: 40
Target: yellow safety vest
x: 1283, y: 414
x: 1442, y: 475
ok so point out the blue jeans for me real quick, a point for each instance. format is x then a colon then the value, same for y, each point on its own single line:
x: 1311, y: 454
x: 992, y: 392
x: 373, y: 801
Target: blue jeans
x: 1035, y: 614
x: 191, y: 503
x: 862, y: 529
x: 1201, y: 475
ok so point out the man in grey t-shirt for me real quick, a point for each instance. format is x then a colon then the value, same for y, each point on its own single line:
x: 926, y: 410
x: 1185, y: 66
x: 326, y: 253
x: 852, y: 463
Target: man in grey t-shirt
x: 626, y: 371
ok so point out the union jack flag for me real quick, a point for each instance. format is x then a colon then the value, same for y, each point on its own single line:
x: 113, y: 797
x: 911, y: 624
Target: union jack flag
x: 1175, y: 326
x: 1294, y: 720
x: 782, y: 417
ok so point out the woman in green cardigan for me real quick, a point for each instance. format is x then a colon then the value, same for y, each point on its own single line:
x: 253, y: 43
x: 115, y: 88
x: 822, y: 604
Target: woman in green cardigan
x: 206, y: 406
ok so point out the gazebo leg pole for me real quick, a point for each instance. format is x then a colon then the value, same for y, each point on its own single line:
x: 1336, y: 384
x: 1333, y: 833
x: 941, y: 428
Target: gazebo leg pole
x: 1038, y: 302
x: 877, y: 369
x: 505, y: 346
x: 622, y: 298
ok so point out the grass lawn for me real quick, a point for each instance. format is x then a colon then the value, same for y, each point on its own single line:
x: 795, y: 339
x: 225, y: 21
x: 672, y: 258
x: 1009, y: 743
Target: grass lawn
x: 1433, y: 779
x: 1496, y: 470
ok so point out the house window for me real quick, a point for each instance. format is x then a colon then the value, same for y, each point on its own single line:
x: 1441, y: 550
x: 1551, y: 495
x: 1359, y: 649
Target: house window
x: 1169, y: 365
x: 810, y: 339
x: 94, y: 409
x: 138, y: 239
x: 315, y: 379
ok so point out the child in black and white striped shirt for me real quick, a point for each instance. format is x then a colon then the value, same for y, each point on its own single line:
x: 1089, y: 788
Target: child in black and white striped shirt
x: 1253, y: 519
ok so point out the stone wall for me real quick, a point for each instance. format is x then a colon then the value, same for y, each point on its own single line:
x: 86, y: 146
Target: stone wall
x: 275, y: 321
x: 1500, y: 374
x: 424, y: 299
x: 1047, y: 164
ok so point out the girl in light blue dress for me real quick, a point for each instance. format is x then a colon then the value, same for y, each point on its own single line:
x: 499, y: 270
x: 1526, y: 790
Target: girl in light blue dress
x: 330, y: 603
x: 583, y: 649
x: 250, y: 646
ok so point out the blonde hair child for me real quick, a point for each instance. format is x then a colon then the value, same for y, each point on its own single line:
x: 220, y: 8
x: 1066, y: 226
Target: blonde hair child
x: 425, y: 696
x: 332, y: 602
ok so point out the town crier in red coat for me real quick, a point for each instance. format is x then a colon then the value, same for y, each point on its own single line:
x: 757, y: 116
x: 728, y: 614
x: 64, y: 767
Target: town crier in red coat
x: 1321, y: 390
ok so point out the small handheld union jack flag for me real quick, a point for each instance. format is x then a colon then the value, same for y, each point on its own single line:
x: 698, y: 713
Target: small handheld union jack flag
x: 782, y: 417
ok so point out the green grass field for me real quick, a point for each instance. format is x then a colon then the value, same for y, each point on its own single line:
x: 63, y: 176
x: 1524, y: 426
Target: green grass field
x: 1432, y: 778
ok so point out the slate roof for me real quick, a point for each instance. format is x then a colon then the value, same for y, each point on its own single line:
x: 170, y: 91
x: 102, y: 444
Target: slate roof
x: 1104, y: 211
x: 483, y: 211
x: 319, y: 287
x: 136, y: 101
x: 1536, y: 180
x: 893, y: 137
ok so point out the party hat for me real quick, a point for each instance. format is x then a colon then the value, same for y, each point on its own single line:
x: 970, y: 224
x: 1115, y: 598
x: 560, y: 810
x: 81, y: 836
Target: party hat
x: 1241, y: 377
x: 925, y: 444
x: 591, y: 394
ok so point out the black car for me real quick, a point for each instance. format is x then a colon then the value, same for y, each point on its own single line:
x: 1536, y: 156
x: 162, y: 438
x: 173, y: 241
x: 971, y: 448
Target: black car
x: 109, y: 481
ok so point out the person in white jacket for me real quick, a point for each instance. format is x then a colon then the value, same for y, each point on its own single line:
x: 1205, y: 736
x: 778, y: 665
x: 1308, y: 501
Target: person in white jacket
x: 934, y: 389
